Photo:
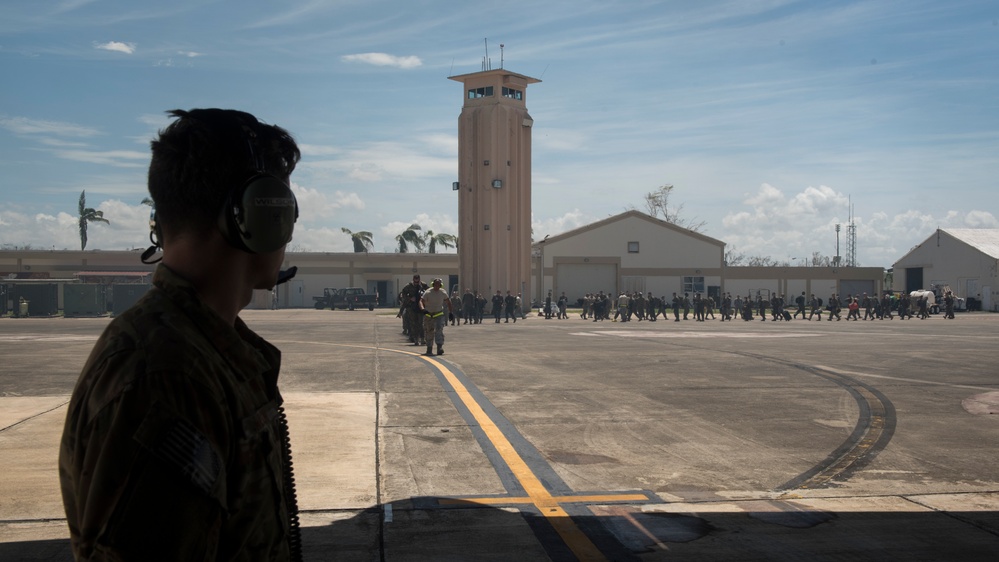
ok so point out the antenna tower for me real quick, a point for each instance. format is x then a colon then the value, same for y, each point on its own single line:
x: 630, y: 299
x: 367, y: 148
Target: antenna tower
x: 487, y: 63
x: 851, y: 241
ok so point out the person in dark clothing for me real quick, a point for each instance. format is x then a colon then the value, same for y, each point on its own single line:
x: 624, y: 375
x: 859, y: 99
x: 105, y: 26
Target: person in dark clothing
x: 510, y: 306
x: 498, y: 304
x: 800, y: 301
x: 176, y: 444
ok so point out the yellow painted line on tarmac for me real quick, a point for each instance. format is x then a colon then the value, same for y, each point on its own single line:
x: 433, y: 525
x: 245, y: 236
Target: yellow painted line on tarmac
x: 697, y: 335
x: 598, y: 498
x: 547, y: 504
x: 538, y: 495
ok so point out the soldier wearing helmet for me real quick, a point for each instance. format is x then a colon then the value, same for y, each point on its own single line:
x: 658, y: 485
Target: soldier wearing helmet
x: 433, y: 303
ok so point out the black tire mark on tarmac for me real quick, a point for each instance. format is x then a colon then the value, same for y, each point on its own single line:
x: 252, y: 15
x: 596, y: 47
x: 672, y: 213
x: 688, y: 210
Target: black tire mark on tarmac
x: 871, y: 434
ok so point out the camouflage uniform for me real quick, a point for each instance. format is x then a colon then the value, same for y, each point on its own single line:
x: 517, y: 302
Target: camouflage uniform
x: 411, y: 301
x: 175, y: 439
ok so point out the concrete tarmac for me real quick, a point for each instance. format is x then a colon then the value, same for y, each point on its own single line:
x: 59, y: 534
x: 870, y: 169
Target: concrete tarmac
x: 579, y: 440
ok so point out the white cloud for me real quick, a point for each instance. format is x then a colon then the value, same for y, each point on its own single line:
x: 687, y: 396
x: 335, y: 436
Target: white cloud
x: 429, y: 156
x: 781, y: 232
x: 438, y: 223
x: 794, y: 227
x: 128, y: 228
x: 384, y: 59
x: 981, y: 219
x: 557, y: 225
x: 26, y: 126
x: 116, y: 46
x: 47, y: 141
x: 315, y: 205
x: 322, y: 239
x: 318, y: 150
x: 116, y: 158
x: 157, y: 120
x: 365, y: 172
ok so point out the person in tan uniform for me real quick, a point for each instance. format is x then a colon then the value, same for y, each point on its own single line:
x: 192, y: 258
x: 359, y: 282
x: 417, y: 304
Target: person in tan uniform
x: 175, y: 445
x: 432, y: 303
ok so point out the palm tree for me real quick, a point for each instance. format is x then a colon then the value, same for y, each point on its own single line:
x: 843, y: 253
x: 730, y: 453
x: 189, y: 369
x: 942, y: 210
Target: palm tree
x: 434, y: 240
x: 88, y: 215
x: 410, y: 236
x: 361, y: 239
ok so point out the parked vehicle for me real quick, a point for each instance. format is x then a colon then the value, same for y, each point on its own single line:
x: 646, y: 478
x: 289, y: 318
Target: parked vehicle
x: 941, y: 291
x: 935, y: 298
x: 354, y: 297
x: 325, y: 301
x: 931, y: 300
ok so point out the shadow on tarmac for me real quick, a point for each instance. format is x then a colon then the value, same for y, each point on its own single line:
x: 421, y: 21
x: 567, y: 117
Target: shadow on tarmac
x: 423, y: 529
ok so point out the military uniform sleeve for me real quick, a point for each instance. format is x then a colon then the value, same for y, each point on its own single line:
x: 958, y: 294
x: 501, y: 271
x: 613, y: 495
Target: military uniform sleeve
x: 150, y: 481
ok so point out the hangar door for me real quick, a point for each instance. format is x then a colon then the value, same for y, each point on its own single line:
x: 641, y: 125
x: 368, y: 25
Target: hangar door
x: 855, y: 287
x: 577, y: 279
x: 913, y: 279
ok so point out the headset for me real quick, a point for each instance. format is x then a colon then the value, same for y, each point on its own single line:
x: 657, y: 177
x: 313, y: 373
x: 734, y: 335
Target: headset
x: 258, y: 216
x: 155, y: 237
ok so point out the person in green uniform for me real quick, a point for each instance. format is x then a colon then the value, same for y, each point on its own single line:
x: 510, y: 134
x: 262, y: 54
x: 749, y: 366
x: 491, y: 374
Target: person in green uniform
x: 411, y: 295
x: 175, y: 445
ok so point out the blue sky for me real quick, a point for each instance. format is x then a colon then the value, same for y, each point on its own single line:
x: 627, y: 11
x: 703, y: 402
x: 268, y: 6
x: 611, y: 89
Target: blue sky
x: 766, y: 116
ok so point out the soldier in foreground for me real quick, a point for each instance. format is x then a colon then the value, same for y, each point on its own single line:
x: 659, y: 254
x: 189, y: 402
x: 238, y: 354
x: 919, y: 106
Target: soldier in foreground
x: 175, y: 445
x: 432, y: 305
x: 410, y: 310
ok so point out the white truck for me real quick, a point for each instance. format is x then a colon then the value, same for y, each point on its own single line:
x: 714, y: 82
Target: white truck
x: 935, y: 298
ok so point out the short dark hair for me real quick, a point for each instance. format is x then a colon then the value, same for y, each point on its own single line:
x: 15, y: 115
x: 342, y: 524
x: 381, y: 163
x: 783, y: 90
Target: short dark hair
x: 206, y: 153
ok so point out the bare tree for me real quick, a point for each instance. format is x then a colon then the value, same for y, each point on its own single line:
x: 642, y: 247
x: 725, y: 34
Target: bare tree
x: 736, y: 258
x: 761, y: 261
x: 657, y: 204
x: 733, y: 257
x: 819, y: 260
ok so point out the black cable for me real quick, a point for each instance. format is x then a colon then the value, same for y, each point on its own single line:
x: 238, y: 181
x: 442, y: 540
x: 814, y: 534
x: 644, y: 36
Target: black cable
x: 294, y: 525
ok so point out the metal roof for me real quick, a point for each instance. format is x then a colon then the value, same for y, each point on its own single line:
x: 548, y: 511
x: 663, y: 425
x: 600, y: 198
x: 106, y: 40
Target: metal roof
x: 985, y: 240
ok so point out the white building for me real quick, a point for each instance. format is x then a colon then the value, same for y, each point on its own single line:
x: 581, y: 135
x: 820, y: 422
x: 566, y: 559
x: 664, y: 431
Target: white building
x: 630, y: 252
x: 966, y: 259
x: 633, y: 251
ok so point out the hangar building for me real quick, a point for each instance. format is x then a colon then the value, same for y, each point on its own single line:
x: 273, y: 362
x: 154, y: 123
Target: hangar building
x: 966, y: 259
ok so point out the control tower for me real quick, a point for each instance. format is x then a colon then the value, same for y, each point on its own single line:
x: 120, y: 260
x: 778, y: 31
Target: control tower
x: 494, y: 183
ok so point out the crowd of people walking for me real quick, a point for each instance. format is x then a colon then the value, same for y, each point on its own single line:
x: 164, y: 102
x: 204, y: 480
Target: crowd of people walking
x: 471, y: 308
x: 775, y: 307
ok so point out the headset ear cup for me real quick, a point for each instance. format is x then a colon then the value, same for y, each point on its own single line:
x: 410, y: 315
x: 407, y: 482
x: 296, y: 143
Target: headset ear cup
x: 228, y: 222
x: 155, y: 232
x: 260, y: 216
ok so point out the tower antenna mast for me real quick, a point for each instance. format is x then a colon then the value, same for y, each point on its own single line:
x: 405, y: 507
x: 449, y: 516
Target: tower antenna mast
x: 851, y: 239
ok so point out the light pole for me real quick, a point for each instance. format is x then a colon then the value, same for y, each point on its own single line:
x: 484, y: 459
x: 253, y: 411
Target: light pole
x: 541, y: 270
x: 836, y: 258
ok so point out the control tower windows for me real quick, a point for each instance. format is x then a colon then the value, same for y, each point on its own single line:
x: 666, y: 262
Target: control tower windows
x: 486, y: 92
x: 513, y: 94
